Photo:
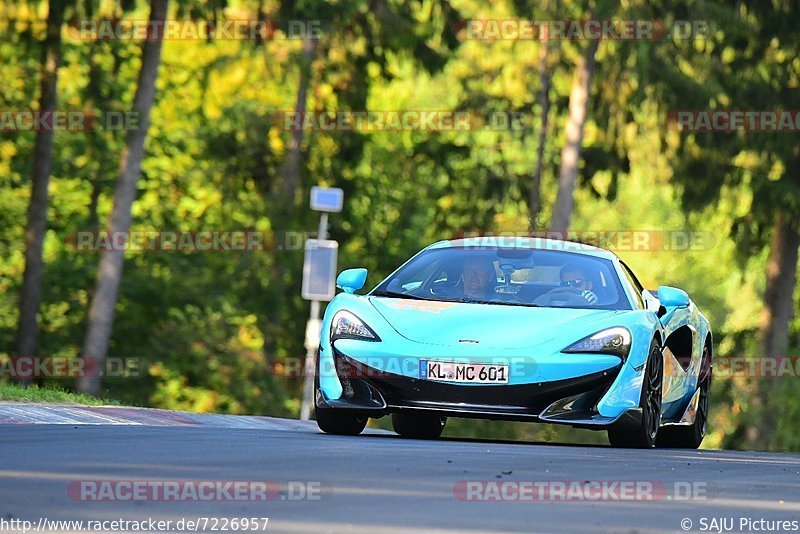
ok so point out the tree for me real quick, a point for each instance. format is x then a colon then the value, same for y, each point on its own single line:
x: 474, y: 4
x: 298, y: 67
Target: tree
x: 291, y: 171
x: 746, y: 63
x: 778, y: 308
x: 31, y: 293
x: 543, y: 101
x: 101, y: 312
x: 548, y: 59
x: 781, y: 281
x: 571, y: 151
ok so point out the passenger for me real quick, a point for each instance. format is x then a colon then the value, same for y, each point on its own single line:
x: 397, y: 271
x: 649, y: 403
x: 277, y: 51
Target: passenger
x: 573, y: 276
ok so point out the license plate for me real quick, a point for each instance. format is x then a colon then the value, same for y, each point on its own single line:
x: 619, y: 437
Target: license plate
x: 471, y: 373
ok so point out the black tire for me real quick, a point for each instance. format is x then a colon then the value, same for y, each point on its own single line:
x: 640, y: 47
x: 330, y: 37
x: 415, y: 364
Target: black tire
x: 690, y: 437
x: 340, y: 422
x: 333, y: 421
x: 645, y: 434
x: 418, y: 426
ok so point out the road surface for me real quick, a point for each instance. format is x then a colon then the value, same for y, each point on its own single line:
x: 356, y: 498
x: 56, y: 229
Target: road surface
x: 376, y: 482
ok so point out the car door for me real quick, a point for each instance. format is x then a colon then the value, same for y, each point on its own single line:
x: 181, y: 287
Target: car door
x: 681, y: 339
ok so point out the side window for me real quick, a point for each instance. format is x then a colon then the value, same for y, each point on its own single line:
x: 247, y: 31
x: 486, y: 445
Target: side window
x: 413, y: 280
x: 637, y: 287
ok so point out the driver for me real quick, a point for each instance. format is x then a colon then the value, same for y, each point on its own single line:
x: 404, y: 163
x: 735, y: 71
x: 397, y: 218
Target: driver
x: 574, y: 276
x: 476, y: 276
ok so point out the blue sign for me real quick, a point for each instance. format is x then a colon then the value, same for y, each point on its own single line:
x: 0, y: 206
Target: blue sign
x: 319, y: 270
x: 327, y: 199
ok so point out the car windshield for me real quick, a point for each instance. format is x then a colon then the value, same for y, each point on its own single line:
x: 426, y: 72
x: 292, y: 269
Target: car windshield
x: 508, y: 276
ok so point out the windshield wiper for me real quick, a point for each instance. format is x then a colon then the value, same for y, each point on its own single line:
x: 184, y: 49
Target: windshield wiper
x: 500, y: 302
x: 465, y: 300
x: 394, y: 294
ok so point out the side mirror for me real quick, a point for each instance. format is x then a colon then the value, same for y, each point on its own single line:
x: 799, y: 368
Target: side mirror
x: 672, y: 297
x: 651, y: 302
x: 351, y: 280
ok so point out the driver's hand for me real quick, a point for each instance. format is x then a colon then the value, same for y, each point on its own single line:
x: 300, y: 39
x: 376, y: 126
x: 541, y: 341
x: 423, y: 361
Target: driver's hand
x: 589, y: 296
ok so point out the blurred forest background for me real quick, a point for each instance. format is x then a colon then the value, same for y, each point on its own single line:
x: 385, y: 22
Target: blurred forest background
x: 209, y: 328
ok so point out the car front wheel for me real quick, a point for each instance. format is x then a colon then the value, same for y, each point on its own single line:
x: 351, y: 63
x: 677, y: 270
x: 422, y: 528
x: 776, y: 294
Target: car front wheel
x: 644, y: 435
x: 341, y: 422
x: 418, y: 426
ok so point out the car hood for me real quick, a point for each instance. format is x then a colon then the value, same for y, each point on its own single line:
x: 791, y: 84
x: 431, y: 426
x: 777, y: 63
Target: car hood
x: 487, y: 325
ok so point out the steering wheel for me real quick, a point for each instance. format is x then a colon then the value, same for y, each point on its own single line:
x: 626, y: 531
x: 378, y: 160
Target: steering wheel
x: 566, y: 296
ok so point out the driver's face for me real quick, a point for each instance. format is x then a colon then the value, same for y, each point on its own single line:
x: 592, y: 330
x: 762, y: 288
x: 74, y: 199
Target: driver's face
x: 577, y: 280
x: 476, y: 278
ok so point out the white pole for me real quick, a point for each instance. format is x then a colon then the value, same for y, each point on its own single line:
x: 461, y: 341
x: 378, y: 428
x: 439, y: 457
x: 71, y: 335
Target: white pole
x: 322, y: 232
x: 310, y: 364
x: 312, y: 339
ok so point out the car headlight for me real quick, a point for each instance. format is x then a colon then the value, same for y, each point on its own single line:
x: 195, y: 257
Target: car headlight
x: 346, y: 325
x: 615, y: 340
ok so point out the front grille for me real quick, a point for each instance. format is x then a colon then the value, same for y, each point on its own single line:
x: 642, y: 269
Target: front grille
x: 523, y: 399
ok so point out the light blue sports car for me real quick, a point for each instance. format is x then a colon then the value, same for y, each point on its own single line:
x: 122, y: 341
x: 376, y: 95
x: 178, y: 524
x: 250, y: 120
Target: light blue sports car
x: 523, y: 329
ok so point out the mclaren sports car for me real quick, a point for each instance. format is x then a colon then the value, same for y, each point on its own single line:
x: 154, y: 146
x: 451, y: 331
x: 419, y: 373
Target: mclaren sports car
x: 527, y: 329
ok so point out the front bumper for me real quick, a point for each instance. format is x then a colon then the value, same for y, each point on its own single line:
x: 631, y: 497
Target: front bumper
x: 373, y: 392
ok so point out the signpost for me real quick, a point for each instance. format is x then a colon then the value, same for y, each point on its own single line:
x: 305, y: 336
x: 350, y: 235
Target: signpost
x: 327, y: 199
x: 319, y: 269
x: 319, y: 282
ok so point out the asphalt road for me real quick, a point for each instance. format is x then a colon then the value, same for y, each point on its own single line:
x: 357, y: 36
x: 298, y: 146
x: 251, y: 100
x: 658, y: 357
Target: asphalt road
x: 381, y: 483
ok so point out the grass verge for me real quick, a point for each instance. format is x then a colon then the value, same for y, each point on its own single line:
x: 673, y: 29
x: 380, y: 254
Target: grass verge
x: 35, y: 393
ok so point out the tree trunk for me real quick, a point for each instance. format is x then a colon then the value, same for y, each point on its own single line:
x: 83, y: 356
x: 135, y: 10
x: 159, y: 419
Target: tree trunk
x: 290, y: 172
x: 781, y: 280
x: 290, y: 175
x: 31, y: 293
x: 571, y: 153
x: 543, y: 99
x: 774, y: 321
x: 101, y: 312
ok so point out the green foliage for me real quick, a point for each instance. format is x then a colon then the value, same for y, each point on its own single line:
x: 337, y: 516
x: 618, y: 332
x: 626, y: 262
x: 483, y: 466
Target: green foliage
x: 10, y: 392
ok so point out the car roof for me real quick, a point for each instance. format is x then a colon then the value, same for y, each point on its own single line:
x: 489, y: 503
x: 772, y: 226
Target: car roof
x: 525, y: 242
